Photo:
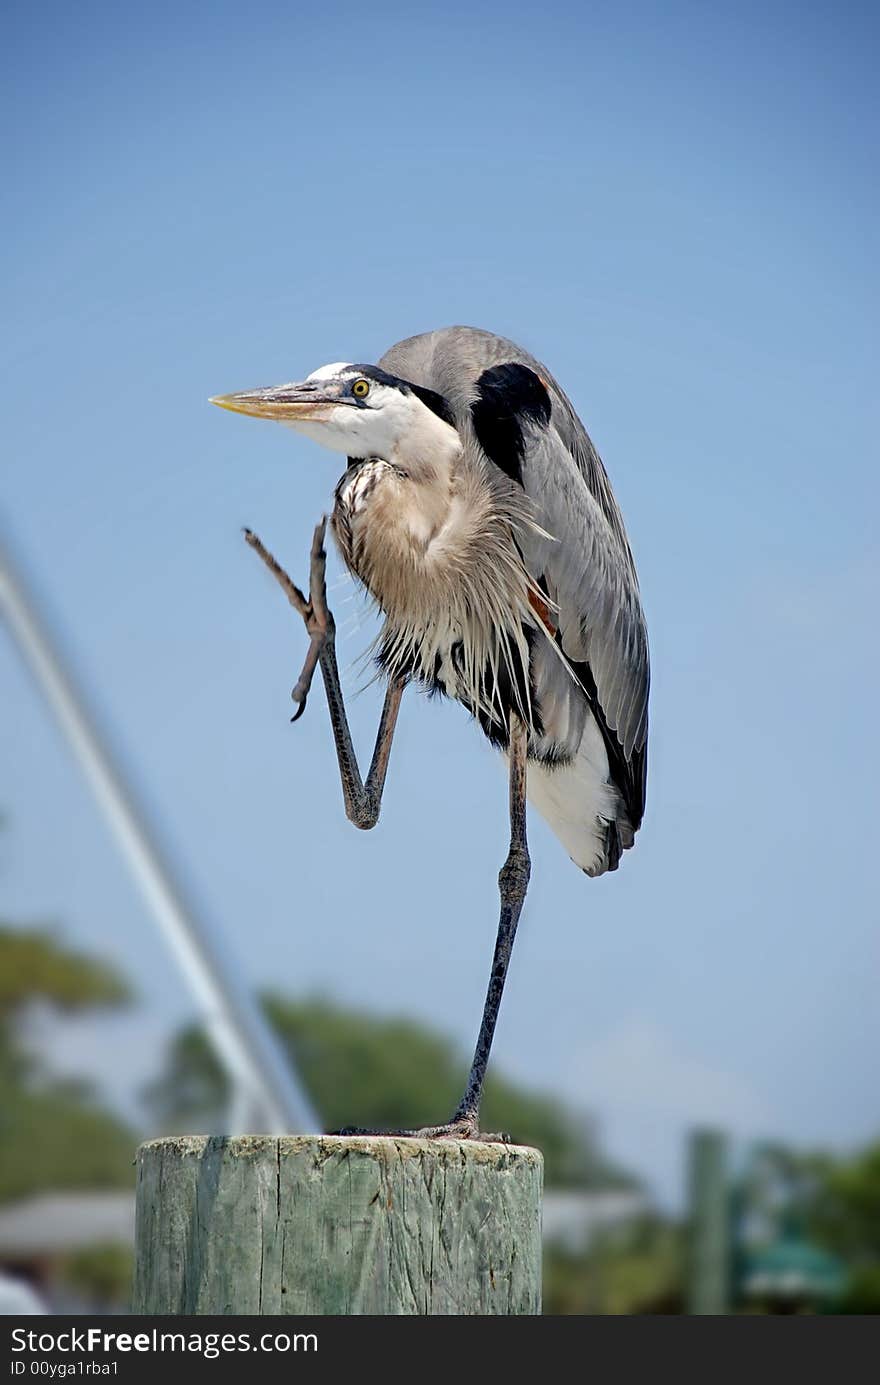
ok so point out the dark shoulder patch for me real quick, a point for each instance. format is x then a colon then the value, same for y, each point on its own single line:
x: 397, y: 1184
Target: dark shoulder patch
x: 507, y: 397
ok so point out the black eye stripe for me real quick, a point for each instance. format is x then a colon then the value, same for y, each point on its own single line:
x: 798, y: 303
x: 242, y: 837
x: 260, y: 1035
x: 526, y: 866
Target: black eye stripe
x: 435, y: 402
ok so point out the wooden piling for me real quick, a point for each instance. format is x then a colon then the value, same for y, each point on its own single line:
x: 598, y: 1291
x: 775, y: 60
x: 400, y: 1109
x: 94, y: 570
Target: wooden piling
x: 335, y: 1224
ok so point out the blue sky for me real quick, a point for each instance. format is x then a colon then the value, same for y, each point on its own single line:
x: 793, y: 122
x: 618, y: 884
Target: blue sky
x: 676, y: 208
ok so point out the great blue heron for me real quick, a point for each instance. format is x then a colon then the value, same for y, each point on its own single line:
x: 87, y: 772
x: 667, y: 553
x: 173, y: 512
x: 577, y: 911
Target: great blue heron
x: 478, y: 515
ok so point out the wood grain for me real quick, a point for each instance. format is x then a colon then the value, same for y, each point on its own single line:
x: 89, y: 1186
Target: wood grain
x: 337, y: 1225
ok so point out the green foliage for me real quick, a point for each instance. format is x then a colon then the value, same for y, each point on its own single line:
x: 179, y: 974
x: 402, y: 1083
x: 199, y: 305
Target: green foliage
x: 816, y: 1216
x: 844, y: 1216
x: 57, y: 1138
x: 101, y: 1273
x: 635, y: 1268
x: 192, y: 1090
x: 846, y: 1206
x: 379, y: 1073
x: 53, y: 1134
x: 862, y: 1292
x: 34, y: 966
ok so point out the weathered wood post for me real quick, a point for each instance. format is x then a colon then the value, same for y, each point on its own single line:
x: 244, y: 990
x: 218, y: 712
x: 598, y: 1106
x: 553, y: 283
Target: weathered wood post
x: 332, y: 1224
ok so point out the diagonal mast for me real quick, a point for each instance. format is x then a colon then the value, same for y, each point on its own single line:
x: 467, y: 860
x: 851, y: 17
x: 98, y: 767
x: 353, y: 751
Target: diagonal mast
x: 267, y: 1094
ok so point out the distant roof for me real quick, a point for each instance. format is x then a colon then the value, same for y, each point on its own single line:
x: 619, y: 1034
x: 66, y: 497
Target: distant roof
x: 56, y: 1222
x: 791, y: 1268
x: 572, y: 1218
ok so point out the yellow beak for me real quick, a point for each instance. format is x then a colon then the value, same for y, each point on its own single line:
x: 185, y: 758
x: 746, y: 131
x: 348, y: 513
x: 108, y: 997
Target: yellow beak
x: 283, y: 403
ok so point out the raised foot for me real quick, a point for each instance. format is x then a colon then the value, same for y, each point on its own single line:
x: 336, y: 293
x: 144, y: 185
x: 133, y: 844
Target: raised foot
x: 464, y: 1128
x: 314, y: 610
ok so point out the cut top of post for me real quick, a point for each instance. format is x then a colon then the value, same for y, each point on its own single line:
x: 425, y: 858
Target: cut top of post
x: 337, y: 1225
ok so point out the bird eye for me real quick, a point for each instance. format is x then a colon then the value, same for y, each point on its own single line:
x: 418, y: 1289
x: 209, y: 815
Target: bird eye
x: 360, y: 389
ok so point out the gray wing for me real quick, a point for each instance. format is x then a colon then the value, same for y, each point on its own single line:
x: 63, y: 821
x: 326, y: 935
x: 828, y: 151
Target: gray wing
x: 588, y: 571
x: 530, y: 432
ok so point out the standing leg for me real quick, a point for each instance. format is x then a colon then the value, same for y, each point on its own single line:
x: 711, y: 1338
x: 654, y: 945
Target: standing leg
x: 362, y: 800
x: 362, y: 803
x: 513, y: 882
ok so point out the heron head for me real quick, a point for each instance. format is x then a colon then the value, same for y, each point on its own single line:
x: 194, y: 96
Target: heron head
x: 359, y: 410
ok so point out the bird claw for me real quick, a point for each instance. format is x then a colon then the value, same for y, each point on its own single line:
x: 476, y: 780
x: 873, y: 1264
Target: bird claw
x: 314, y: 611
x: 465, y: 1129
x: 461, y: 1129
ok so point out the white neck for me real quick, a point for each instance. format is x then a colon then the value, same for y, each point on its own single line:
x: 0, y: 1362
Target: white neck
x: 402, y: 431
x: 427, y: 446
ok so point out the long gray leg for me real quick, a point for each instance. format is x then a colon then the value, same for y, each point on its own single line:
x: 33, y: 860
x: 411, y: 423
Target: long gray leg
x: 513, y: 881
x: 362, y: 800
x: 362, y: 803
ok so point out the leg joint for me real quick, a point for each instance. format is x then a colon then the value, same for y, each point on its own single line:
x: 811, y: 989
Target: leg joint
x: 513, y: 878
x: 364, y: 814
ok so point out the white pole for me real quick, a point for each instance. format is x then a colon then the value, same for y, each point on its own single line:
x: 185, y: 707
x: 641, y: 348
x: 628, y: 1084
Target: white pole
x: 263, y: 1081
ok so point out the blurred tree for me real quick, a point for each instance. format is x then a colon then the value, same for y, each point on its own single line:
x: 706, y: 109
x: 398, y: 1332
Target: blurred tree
x: 53, y: 1134
x: 637, y: 1267
x: 100, y: 1273
x: 843, y: 1213
x: 383, y: 1074
x: 813, y: 1219
x: 36, y: 967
